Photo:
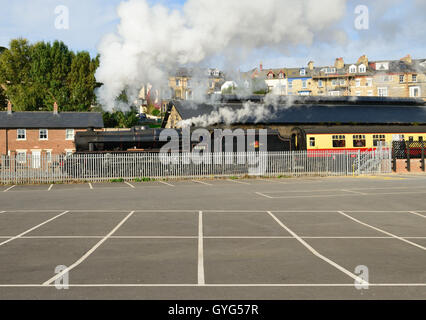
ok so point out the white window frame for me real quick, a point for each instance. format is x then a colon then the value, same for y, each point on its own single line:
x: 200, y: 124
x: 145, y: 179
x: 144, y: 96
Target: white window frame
x: 369, y: 82
x: 412, y: 92
x: 66, y: 134
x: 304, y: 84
x: 19, y: 158
x: 49, y: 155
x: 358, y: 83
x: 401, y: 77
x: 352, y: 69
x: 384, y: 89
x: 302, y: 72
x: 414, y: 78
x: 39, y: 135
x: 25, y: 135
x: 320, y: 84
x: 362, y: 68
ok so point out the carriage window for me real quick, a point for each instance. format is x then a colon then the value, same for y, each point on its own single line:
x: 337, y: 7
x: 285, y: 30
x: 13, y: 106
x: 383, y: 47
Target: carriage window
x: 339, y: 141
x: 359, y: 141
x: 420, y: 139
x: 312, y: 142
x: 378, y: 138
x: 411, y: 139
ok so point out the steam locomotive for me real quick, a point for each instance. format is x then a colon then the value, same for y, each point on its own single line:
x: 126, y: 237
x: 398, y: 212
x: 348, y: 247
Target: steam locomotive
x: 146, y: 140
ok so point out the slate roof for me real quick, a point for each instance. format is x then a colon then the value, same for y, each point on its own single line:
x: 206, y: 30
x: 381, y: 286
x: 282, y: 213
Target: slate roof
x: 314, y: 110
x: 49, y: 120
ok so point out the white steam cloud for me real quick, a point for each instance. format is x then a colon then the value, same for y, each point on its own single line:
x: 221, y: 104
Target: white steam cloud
x: 153, y: 41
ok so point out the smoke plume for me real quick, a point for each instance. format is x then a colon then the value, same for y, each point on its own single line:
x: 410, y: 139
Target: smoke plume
x: 153, y: 41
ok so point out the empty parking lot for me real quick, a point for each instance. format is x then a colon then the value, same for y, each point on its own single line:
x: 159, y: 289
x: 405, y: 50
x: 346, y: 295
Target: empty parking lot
x: 303, y: 238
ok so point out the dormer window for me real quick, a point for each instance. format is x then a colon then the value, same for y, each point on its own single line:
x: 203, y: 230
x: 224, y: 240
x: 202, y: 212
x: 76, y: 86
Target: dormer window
x: 352, y: 69
x: 362, y: 68
x: 281, y: 76
x: 302, y: 72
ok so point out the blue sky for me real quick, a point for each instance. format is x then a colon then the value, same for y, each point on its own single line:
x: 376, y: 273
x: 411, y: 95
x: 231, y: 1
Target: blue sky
x: 397, y: 28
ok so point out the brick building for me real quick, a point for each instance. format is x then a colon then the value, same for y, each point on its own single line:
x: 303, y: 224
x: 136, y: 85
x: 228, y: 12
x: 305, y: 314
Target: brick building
x: 36, y: 134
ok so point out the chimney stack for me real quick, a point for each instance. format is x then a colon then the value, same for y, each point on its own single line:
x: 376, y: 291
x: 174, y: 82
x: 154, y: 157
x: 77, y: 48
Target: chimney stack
x: 9, y: 107
x: 407, y: 59
x: 311, y: 65
x: 55, y: 108
x: 363, y: 60
x: 261, y: 66
x: 339, y: 64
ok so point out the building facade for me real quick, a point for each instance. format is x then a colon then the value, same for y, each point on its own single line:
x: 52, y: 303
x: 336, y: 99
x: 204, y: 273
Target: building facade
x: 34, y: 134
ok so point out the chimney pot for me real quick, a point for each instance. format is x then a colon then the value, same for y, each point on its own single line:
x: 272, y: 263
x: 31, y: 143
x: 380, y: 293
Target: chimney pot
x: 261, y: 66
x: 55, y: 108
x: 9, y: 107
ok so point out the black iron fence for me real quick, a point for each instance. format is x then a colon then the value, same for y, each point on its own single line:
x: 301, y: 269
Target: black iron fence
x: 410, y: 151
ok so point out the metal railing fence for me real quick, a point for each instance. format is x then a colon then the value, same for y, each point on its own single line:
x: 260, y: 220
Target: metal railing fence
x: 35, y: 169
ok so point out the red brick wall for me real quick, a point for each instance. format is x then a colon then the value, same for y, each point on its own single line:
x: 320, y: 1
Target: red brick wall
x: 56, y: 141
x: 414, y: 166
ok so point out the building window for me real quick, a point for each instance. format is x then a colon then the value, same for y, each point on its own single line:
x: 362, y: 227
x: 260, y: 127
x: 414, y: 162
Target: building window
x: 43, y: 134
x: 358, y: 83
x: 378, y: 138
x: 21, y: 157
x: 382, y: 92
x: 281, y: 76
x: 302, y: 72
x: 401, y: 78
x: 334, y: 82
x: 312, y: 142
x: 49, y: 156
x: 320, y: 83
x: 290, y: 84
x: 414, y: 76
x: 304, y: 84
x: 369, y: 82
x: 359, y: 141
x: 68, y: 153
x: 362, y: 68
x: 177, y: 83
x: 21, y: 134
x: 358, y: 93
x: 415, y: 92
x: 352, y: 69
x: 339, y: 141
x: 69, y: 134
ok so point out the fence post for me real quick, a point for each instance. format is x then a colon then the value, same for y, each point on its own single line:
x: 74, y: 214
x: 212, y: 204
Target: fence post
x: 359, y: 162
x: 423, y: 157
x: 408, y: 167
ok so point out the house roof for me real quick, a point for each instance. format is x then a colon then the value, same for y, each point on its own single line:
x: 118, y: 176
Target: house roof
x: 49, y: 120
x: 315, y: 110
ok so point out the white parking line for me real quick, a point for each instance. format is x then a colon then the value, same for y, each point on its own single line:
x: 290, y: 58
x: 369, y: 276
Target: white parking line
x: 129, y: 184
x: 9, y: 188
x: 382, y: 231
x: 418, y: 214
x: 50, y: 188
x: 91, y: 186
x: 167, y: 184
x: 201, y: 280
x: 88, y: 253
x: 264, y: 195
x: 33, y: 228
x: 316, y: 253
x: 228, y: 285
x: 240, y: 182
x: 202, y: 182
x: 352, y: 191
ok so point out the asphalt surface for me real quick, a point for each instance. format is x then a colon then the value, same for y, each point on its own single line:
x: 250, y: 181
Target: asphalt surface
x: 298, y: 238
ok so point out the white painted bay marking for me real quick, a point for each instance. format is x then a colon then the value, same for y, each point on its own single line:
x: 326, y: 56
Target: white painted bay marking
x: 50, y: 188
x: 10, y: 188
x: 129, y: 184
x: 88, y: 253
x: 33, y: 228
x: 166, y: 183
x: 382, y: 231
x: 240, y: 182
x: 418, y: 214
x: 316, y: 253
x: 91, y: 186
x: 264, y: 195
x: 201, y: 280
x: 202, y: 182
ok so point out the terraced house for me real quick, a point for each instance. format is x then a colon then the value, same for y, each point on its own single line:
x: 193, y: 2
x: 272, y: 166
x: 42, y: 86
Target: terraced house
x: 42, y: 134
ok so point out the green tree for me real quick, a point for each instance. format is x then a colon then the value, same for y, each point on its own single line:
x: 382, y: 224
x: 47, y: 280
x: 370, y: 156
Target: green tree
x: 35, y: 76
x: 3, y: 99
x: 15, y: 65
